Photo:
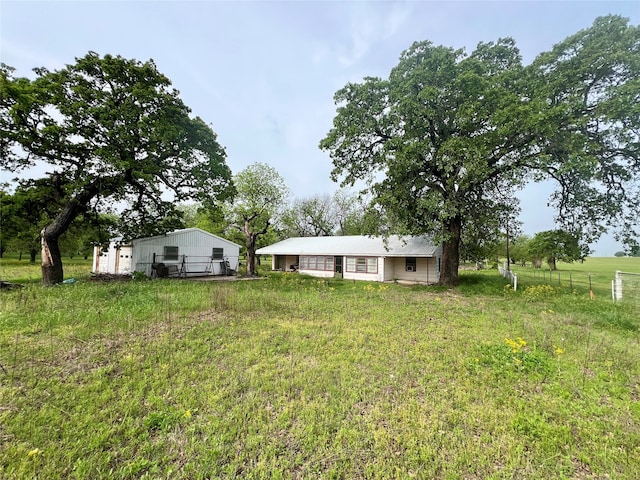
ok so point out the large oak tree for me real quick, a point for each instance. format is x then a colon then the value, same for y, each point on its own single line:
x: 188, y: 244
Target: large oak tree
x: 110, y: 130
x: 449, y: 137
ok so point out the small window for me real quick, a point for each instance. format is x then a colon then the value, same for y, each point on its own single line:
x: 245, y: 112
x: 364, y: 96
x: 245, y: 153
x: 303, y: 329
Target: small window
x: 170, y: 253
x: 410, y: 264
x: 217, y: 253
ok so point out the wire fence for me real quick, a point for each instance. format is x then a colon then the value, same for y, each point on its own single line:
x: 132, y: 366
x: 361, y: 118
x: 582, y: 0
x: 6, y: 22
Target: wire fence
x: 625, y: 286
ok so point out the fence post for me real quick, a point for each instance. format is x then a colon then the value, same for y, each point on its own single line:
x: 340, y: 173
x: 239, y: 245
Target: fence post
x: 618, y: 285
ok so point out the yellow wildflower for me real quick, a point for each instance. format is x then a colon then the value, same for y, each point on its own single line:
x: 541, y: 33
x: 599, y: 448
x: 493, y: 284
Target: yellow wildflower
x: 34, y: 452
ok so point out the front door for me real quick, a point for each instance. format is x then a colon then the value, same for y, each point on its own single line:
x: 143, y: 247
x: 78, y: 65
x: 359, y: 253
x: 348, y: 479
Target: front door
x: 337, y: 261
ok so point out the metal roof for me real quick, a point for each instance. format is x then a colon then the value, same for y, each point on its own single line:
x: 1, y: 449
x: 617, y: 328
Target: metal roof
x: 185, y: 231
x: 393, y: 246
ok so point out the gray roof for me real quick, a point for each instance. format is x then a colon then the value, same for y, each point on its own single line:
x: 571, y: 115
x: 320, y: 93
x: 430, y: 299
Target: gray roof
x: 394, y: 246
x: 186, y: 231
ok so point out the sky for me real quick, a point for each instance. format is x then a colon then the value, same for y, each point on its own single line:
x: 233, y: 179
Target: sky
x: 263, y: 73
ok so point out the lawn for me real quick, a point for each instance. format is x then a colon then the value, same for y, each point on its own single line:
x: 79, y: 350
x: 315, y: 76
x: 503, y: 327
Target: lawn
x: 294, y: 377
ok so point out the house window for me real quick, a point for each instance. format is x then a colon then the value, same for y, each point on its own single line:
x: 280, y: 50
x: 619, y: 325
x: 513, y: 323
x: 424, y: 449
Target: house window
x: 316, y: 263
x: 217, y: 253
x: 362, y: 264
x: 312, y: 263
x: 410, y: 264
x: 170, y: 253
x: 328, y: 263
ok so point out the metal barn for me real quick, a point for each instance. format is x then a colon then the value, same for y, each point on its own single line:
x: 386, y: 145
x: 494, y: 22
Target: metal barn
x: 183, y: 253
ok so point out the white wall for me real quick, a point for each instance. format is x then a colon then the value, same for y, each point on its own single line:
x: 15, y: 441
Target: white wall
x: 196, y: 245
x: 318, y: 273
x: 114, y: 260
x: 426, y: 270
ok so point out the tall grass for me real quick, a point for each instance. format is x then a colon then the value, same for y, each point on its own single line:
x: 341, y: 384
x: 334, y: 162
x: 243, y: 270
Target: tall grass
x: 294, y: 377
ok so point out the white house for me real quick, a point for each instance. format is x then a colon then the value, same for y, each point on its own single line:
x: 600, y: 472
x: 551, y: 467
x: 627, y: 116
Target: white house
x: 184, y: 253
x: 410, y: 259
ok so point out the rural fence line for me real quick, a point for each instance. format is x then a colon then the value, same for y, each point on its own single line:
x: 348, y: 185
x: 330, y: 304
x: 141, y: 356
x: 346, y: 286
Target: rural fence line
x: 509, y: 274
x: 625, y: 286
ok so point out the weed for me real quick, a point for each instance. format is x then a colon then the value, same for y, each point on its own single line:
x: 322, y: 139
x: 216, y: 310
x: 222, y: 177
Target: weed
x: 515, y: 356
x: 537, y: 292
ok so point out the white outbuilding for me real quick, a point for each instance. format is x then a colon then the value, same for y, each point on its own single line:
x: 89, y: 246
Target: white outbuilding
x: 182, y: 253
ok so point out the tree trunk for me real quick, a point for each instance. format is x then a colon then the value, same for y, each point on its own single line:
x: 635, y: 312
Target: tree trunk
x: 251, y: 238
x: 51, y: 258
x: 451, y: 253
x: 52, y: 272
x: 32, y: 255
x: 251, y: 254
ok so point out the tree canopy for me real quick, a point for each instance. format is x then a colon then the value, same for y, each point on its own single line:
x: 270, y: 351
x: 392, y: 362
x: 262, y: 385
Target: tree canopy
x: 555, y: 245
x: 109, y: 130
x: 448, y: 138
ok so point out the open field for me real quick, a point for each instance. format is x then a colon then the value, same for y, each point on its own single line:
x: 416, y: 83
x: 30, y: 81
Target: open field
x: 293, y: 377
x: 597, y: 272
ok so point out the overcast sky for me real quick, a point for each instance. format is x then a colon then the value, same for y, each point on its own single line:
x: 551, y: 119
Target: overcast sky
x: 263, y: 73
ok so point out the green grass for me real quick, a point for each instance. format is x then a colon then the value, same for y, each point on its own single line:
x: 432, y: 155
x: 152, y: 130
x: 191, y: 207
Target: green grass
x: 21, y: 271
x: 294, y: 377
x: 597, y: 273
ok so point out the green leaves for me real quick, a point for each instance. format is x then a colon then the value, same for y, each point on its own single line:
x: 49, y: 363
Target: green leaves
x: 554, y: 245
x: 114, y: 129
x: 451, y: 133
x: 261, y: 193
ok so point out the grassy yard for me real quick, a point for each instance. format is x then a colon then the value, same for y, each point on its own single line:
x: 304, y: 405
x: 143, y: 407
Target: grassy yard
x: 294, y: 377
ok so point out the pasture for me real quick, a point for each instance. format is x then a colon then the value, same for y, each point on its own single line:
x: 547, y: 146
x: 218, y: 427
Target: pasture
x: 295, y: 377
